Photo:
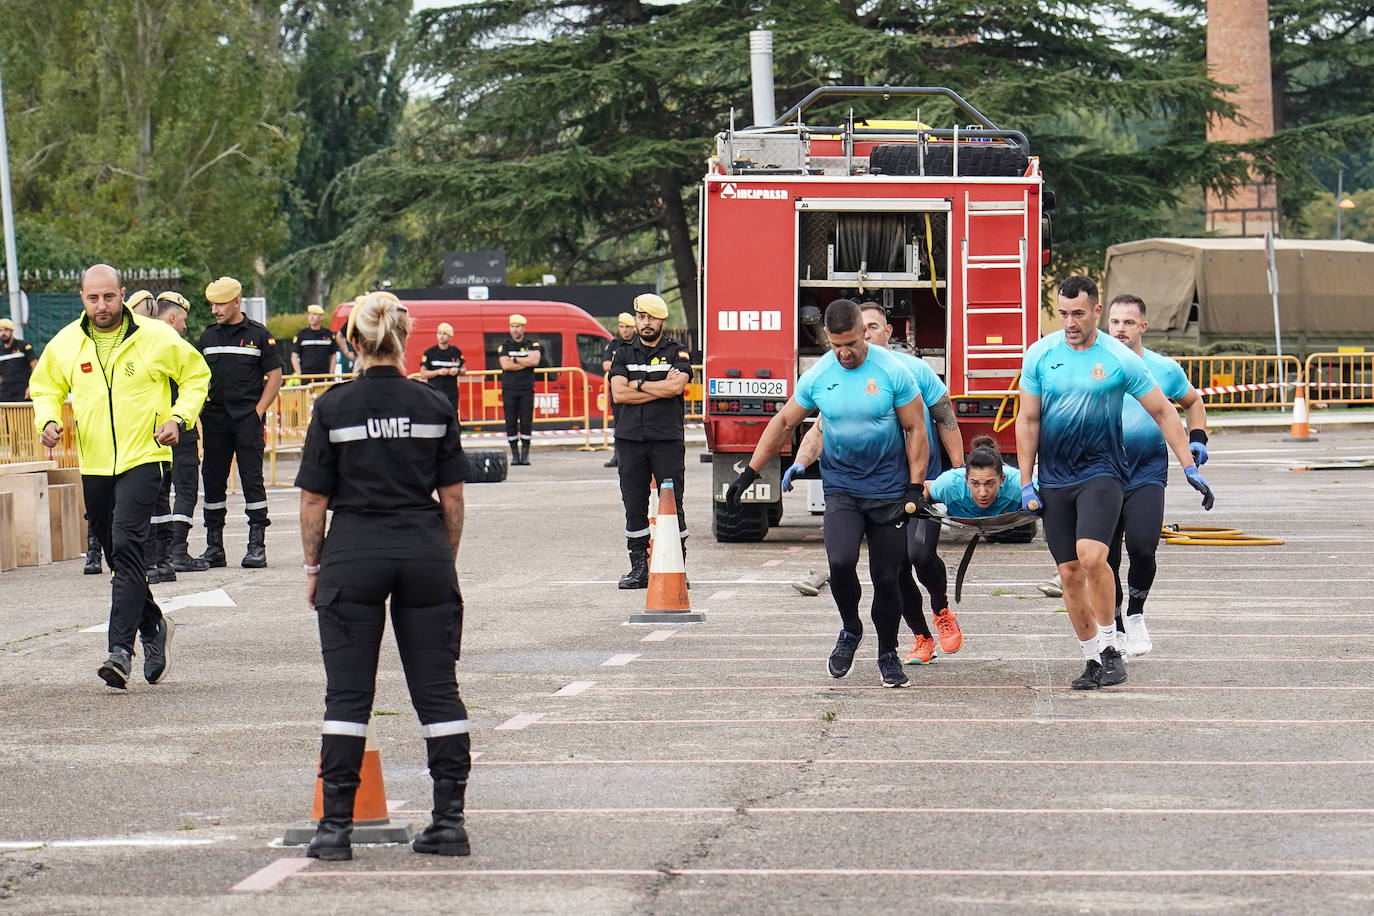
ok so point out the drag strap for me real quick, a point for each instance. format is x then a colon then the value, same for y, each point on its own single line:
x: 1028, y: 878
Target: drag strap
x: 963, y: 567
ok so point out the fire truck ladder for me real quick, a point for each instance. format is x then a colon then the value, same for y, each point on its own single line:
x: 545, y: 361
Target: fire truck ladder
x: 997, y: 360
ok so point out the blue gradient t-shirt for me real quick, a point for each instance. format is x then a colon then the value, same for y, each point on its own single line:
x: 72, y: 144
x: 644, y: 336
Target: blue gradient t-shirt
x: 951, y: 488
x: 1081, y: 393
x: 865, y: 449
x: 1147, y: 454
x: 932, y: 389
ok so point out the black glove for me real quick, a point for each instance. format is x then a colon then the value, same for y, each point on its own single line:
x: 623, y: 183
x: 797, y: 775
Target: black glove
x: 736, y: 491
x: 915, y: 497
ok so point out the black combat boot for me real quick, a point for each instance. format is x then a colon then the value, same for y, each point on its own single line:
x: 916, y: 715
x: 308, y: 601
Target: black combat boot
x: 256, y: 557
x: 333, y: 840
x: 446, y: 836
x: 514, y: 453
x: 524, y: 452
x: 92, y: 567
x: 638, y: 576
x: 181, y: 560
x: 214, y: 547
x: 157, y: 556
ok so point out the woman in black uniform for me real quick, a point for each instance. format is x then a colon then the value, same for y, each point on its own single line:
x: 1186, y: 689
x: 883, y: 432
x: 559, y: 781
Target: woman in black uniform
x: 376, y: 449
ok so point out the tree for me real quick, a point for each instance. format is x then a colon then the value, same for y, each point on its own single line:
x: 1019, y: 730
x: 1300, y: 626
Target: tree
x: 350, y: 95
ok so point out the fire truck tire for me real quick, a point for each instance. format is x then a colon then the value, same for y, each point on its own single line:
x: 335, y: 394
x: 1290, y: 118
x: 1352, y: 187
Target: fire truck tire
x: 774, y: 513
x: 748, y: 523
x: 486, y: 465
x: 976, y: 160
x: 1022, y: 535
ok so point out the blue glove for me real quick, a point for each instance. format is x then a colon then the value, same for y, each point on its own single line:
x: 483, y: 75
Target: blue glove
x: 1030, y: 500
x: 788, y: 474
x: 1197, y: 444
x: 1197, y: 483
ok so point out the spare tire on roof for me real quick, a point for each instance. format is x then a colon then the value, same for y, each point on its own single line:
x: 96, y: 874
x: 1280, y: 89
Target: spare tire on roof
x: 976, y: 160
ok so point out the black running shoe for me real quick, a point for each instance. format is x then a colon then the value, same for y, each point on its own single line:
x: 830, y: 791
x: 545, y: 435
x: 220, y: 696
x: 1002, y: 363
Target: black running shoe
x: 1090, y: 679
x: 1113, y: 668
x: 115, y: 671
x: 891, y: 667
x: 155, y: 662
x: 842, y: 656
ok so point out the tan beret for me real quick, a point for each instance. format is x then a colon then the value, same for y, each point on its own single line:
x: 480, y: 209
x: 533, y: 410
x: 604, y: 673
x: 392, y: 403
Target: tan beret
x: 171, y: 296
x: 6, y: 323
x: 651, y: 305
x: 141, y: 296
x: 518, y: 319
x: 626, y: 318
x: 314, y: 310
x: 225, y: 289
x: 445, y: 328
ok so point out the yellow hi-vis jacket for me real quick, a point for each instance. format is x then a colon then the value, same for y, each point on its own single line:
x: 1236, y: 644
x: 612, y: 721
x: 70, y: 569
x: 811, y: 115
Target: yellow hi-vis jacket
x: 115, y: 420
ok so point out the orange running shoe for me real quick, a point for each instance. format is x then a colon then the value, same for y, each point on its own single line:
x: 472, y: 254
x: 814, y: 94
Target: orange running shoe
x: 922, y: 651
x: 951, y: 637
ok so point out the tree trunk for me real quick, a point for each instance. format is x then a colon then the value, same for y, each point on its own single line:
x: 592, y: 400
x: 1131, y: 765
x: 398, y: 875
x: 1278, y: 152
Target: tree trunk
x: 313, y: 288
x: 684, y: 259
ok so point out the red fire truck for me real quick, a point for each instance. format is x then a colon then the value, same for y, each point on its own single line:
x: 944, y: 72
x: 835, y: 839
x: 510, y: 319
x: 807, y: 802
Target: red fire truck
x: 945, y: 227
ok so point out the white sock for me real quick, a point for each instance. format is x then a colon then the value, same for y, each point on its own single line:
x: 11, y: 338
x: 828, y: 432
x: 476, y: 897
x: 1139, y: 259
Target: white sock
x: 1091, y: 652
x: 1106, y: 636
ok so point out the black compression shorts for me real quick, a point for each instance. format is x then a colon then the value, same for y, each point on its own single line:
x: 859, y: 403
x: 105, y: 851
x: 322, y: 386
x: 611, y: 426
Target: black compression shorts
x: 1081, y: 511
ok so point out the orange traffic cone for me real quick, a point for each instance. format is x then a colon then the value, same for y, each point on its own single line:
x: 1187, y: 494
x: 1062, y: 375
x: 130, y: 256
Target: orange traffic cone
x: 666, y: 600
x: 1299, y: 431
x: 372, y: 821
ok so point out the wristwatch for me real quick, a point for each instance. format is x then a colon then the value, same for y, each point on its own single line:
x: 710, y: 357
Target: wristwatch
x: 639, y: 385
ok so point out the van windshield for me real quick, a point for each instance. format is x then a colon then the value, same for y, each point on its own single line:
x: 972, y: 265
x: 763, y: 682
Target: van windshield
x: 552, y: 344
x: 591, y: 351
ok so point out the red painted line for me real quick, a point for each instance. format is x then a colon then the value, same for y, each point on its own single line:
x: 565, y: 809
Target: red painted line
x: 928, y: 761
x: 270, y: 876
x: 905, y: 720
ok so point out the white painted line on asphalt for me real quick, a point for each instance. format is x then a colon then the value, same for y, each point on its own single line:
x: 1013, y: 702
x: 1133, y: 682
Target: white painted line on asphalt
x: 658, y: 636
x: 217, y: 597
x: 853, y: 809
x: 139, y: 842
x: 517, y: 722
x: 839, y: 688
x: 724, y: 595
x: 772, y: 562
x: 395, y: 804
x: 1115, y: 874
x: 573, y: 689
x: 621, y: 660
x: 1038, y: 721
x: 983, y: 659
x: 271, y: 875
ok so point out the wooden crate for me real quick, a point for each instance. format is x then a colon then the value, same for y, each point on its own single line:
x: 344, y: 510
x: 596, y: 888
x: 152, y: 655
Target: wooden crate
x: 29, y: 525
x: 70, y: 475
x: 64, y: 518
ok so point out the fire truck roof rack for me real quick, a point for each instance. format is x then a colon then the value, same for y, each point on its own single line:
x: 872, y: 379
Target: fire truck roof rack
x: 832, y: 93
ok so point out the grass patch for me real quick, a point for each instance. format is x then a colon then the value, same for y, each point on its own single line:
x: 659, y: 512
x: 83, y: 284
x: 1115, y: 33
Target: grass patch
x: 828, y: 716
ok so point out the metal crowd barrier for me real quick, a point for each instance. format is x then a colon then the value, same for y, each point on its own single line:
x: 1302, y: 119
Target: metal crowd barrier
x: 1340, y: 378
x: 694, y: 406
x: 1259, y: 381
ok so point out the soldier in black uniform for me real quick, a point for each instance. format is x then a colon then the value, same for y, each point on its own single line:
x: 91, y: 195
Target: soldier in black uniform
x: 441, y: 365
x: 518, y: 358
x: 648, y: 377
x: 173, y: 521
x: 245, y: 376
x: 313, y: 351
x: 16, y: 364
x: 377, y: 449
x: 625, y: 332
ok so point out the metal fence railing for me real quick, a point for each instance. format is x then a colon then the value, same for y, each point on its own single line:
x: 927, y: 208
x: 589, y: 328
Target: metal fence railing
x: 1340, y: 378
x: 19, y: 440
x: 1254, y: 381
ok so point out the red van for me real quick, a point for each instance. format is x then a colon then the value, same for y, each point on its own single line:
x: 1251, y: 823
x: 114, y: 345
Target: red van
x: 570, y: 337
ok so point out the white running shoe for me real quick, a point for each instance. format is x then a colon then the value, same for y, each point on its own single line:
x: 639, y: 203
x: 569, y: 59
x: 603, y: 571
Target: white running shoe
x: 1137, y: 636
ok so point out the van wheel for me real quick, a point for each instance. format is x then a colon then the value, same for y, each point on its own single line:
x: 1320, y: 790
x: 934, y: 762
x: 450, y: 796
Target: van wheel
x: 748, y: 523
x: 1022, y: 535
x: 485, y: 465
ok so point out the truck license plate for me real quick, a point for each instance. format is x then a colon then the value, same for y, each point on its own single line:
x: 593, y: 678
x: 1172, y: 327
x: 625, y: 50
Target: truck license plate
x: 747, y: 387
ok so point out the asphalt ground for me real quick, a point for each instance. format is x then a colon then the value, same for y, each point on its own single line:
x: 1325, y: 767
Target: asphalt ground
x: 717, y: 768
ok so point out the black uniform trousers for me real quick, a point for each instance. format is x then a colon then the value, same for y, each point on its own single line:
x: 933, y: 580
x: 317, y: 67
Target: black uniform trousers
x: 119, y: 509
x: 659, y: 459
x: 519, y: 409
x: 225, y: 440
x: 427, y: 612
x: 185, y: 476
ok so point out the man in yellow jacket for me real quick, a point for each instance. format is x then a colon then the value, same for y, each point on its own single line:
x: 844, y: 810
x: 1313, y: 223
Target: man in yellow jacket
x: 115, y: 365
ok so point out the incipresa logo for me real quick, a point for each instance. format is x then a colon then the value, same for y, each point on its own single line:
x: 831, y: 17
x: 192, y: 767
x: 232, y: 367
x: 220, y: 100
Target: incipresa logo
x: 731, y: 192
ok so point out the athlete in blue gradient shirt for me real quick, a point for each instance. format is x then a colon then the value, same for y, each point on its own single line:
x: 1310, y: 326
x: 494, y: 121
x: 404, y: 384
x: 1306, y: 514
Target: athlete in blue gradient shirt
x: 1147, y: 471
x: 872, y: 464
x: 1073, y: 384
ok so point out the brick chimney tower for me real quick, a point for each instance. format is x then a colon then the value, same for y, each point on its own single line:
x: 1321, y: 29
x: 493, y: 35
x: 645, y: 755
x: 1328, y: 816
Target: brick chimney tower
x: 1238, y: 54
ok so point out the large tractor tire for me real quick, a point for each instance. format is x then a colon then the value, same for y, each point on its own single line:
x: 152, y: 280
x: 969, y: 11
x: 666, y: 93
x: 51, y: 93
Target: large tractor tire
x: 774, y: 514
x: 748, y: 523
x: 486, y: 465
